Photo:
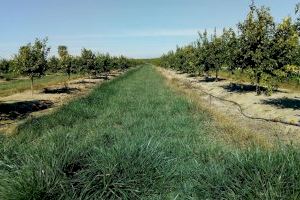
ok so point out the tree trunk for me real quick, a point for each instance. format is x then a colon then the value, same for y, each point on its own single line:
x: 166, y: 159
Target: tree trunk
x: 67, y: 81
x: 217, y: 75
x: 258, y: 92
x: 206, y: 76
x: 106, y: 75
x: 31, y: 86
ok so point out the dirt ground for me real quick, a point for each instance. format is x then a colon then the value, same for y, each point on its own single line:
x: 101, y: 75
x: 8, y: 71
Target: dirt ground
x: 15, y: 109
x: 283, y: 105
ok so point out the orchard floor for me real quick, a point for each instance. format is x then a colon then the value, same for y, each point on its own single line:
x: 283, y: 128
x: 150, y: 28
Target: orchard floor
x: 20, y: 106
x: 283, y: 105
x: 137, y: 137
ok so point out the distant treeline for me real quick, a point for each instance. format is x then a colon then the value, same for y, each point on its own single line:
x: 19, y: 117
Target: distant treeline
x: 32, y: 60
x: 267, y: 52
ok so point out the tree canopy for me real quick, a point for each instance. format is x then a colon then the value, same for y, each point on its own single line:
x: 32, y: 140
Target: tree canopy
x: 266, y: 51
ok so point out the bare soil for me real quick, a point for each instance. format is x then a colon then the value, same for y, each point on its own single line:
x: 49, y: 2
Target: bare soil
x: 16, y: 108
x: 283, y: 105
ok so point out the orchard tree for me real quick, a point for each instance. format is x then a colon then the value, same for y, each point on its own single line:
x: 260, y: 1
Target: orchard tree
x: 256, y: 43
x: 297, y: 24
x: 122, y: 63
x: 88, y: 61
x: 216, y: 54
x: 53, y: 65
x: 203, y: 53
x: 266, y: 51
x: 103, y: 64
x: 5, y: 66
x: 178, y: 59
x: 189, y: 59
x: 230, y: 47
x: 285, y: 45
x: 76, y: 64
x: 31, y: 60
x: 65, y: 60
x: 166, y: 60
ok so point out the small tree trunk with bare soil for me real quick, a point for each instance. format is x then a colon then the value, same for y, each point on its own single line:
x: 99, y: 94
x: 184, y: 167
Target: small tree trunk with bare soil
x: 69, y: 78
x: 106, y: 75
x: 31, y: 86
x: 217, y: 75
x: 258, y: 92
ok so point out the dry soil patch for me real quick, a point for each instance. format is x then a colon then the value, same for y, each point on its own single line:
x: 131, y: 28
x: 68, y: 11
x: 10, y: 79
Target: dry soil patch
x: 282, y: 105
x: 16, y: 108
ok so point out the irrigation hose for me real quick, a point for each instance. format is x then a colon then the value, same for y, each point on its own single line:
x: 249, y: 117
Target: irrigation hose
x: 242, y: 111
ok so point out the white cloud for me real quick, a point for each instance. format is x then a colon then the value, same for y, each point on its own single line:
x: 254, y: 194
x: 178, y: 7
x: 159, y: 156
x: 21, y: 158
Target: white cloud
x: 137, y: 33
x: 112, y: 42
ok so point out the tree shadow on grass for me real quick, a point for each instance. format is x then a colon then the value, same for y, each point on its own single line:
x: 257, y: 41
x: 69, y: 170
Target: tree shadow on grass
x: 292, y: 103
x: 63, y: 90
x: 19, y: 110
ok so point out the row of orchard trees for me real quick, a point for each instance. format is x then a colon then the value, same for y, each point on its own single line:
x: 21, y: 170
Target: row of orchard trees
x: 266, y: 51
x: 33, y: 61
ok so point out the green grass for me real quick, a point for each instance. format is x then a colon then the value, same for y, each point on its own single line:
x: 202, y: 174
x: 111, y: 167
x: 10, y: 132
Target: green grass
x: 134, y: 138
x: 19, y: 85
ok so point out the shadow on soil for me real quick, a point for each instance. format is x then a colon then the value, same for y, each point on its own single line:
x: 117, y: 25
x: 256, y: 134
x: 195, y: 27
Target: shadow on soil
x: 192, y: 75
x: 180, y: 72
x: 63, y: 90
x: 84, y: 82
x: 114, y: 75
x: 104, y: 77
x: 241, y: 88
x: 245, y: 88
x: 211, y: 79
x: 18, y: 110
x: 292, y: 103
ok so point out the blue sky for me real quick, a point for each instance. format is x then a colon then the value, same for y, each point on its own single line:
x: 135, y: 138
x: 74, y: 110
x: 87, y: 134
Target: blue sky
x: 135, y: 28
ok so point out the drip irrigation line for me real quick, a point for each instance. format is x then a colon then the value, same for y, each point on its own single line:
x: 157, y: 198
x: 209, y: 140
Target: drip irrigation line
x: 242, y: 111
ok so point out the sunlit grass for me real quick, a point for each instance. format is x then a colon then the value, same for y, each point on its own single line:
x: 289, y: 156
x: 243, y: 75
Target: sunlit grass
x: 134, y: 138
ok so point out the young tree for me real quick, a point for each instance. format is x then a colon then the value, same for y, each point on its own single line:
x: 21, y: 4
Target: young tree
x: 216, y: 54
x: 230, y: 47
x: 5, y: 66
x: 88, y: 61
x: 256, y: 43
x: 167, y: 60
x: 190, y: 59
x: 203, y: 53
x: 122, y: 63
x: 65, y: 60
x: 103, y: 64
x: 265, y: 51
x: 297, y: 24
x: 53, y: 65
x: 76, y: 64
x: 32, y: 60
x: 285, y: 46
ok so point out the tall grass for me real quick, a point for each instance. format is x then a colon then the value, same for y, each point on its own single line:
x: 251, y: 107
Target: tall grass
x: 134, y: 138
